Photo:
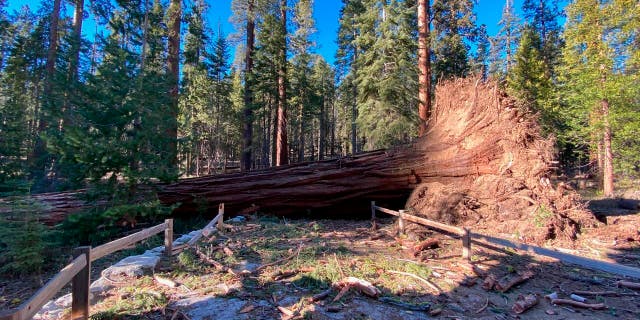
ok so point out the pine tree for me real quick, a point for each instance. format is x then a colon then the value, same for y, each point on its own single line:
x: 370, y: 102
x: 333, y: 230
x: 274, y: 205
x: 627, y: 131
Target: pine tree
x: 529, y: 83
x: 483, y: 53
x: 174, y: 15
x: 506, y: 40
x: 453, y: 23
x: 598, y: 80
x: 543, y: 17
x: 387, y: 77
x: 424, y: 63
x: 346, y: 57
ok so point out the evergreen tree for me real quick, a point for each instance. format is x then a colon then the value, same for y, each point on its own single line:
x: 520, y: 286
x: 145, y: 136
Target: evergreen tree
x: 505, y: 42
x: 483, y: 53
x: 387, y: 77
x: 529, y: 83
x: 453, y: 23
x: 346, y: 56
x: 543, y: 17
x: 599, y: 81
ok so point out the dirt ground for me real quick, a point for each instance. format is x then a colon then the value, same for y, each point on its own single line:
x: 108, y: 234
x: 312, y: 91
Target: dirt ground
x: 274, y: 267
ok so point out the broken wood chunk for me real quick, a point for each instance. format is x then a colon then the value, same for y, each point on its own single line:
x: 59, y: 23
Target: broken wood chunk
x: 628, y: 284
x: 508, y: 281
x: 524, y: 303
x: 424, y: 245
x: 489, y: 282
x: 363, y: 286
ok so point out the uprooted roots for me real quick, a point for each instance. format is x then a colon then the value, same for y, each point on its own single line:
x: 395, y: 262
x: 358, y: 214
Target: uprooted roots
x: 511, y: 191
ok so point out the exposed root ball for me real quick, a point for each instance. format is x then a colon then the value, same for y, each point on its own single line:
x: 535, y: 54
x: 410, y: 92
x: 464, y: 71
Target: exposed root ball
x: 478, y: 125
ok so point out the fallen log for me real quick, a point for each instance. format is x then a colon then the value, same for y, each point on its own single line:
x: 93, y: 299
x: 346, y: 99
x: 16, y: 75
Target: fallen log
x: 480, y: 157
x: 524, y: 303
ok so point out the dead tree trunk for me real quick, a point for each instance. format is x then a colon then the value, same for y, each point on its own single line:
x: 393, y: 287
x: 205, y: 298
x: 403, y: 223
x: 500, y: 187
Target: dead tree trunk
x: 481, y: 161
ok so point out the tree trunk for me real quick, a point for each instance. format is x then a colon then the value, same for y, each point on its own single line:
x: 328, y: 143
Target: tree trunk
x: 173, y: 68
x: 77, y: 39
x: 38, y: 163
x: 282, y: 147
x: 607, y: 182
x: 322, y: 124
x: 424, y: 64
x: 247, y: 130
x: 481, y: 160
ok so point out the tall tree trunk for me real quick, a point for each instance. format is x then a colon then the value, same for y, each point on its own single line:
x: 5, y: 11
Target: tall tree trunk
x: 39, y: 164
x: 282, y: 147
x: 321, y: 133
x: 608, y: 154
x: 77, y: 39
x: 173, y: 66
x: 424, y: 64
x: 247, y: 130
x: 301, y: 133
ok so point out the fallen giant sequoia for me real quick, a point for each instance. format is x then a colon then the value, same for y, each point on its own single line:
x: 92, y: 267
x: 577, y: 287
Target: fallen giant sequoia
x: 481, y: 160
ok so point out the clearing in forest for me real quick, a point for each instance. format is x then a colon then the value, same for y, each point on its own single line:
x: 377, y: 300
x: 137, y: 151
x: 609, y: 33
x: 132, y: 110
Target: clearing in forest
x: 270, y: 269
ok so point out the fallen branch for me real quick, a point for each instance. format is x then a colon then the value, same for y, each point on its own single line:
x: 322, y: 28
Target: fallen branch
x: 427, y: 282
x: 405, y: 305
x: 603, y: 293
x: 289, y: 273
x: 628, y: 284
x: 566, y: 302
x: 278, y: 261
x: 321, y: 296
x: 486, y: 304
x: 219, y: 266
x: 524, y: 303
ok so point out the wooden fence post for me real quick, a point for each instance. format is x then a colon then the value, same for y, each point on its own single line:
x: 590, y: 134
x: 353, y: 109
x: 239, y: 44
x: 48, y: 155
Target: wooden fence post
x: 80, y: 287
x: 466, y: 244
x: 373, y: 215
x: 401, y: 222
x: 221, y: 214
x: 168, y: 237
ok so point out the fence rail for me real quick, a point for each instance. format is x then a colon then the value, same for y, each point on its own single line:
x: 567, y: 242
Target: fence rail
x: 469, y: 237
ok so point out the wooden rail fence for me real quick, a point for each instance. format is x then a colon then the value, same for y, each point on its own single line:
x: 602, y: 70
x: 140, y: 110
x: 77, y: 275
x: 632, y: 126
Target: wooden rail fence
x: 79, y: 270
x: 483, y: 240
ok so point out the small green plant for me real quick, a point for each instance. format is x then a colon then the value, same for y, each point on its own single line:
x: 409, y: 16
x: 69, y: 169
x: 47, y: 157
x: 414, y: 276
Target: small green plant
x: 541, y: 216
x: 24, y: 241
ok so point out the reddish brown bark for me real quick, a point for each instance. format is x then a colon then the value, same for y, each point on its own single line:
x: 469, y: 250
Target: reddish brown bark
x: 607, y: 176
x: 282, y: 147
x: 247, y: 129
x: 38, y: 163
x: 424, y: 64
x: 77, y: 38
x: 173, y: 68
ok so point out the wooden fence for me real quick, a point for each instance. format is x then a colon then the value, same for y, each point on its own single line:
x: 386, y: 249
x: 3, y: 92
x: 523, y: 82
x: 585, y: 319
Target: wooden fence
x: 487, y: 241
x: 79, y: 270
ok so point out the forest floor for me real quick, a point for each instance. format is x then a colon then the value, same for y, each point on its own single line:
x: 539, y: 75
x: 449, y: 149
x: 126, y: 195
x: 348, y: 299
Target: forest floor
x: 269, y: 268
x: 275, y: 267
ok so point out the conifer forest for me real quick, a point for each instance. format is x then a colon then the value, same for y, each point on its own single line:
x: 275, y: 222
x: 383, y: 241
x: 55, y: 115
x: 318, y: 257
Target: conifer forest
x: 118, y: 114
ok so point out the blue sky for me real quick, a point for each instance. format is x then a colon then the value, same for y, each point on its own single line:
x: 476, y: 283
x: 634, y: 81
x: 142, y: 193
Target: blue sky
x: 325, y: 13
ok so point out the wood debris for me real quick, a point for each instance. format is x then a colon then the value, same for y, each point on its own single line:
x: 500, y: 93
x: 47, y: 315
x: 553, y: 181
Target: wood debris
x: 424, y: 245
x: 365, y: 287
x: 628, y: 284
x: 524, y: 303
x: 165, y: 281
x: 508, y: 281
